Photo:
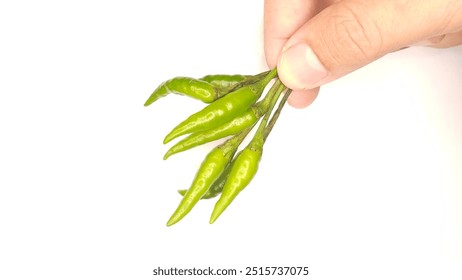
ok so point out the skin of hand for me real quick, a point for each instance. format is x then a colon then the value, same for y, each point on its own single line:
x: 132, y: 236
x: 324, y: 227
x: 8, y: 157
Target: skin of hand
x: 313, y: 42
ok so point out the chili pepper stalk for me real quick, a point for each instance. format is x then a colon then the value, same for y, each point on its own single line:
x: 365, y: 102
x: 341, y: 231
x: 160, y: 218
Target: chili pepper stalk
x: 276, y: 115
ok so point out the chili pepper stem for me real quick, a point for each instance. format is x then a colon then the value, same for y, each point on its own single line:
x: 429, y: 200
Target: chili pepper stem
x: 277, y: 93
x: 271, y: 75
x: 276, y: 114
x: 256, y: 78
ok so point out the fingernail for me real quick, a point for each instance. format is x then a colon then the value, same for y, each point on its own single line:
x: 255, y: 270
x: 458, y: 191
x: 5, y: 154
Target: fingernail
x: 300, y: 68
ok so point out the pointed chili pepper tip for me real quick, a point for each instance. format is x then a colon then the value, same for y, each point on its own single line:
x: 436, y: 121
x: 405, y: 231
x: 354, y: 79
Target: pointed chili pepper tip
x: 171, y: 223
x: 148, y: 102
x: 169, y: 138
x: 175, y: 218
x: 167, y: 155
x: 219, y: 208
x: 213, y: 219
x: 153, y: 98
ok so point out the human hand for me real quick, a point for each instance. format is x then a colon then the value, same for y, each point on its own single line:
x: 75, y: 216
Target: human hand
x: 313, y: 42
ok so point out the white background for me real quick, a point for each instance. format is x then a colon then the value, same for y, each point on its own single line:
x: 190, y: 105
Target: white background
x: 364, y: 184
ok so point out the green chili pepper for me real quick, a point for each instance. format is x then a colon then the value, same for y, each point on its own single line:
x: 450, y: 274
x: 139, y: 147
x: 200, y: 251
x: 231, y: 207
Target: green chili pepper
x: 210, y: 169
x: 234, y: 126
x: 217, y: 186
x: 247, y: 119
x: 244, y: 169
x: 245, y: 166
x: 194, y: 88
x: 207, y: 89
x: 222, y: 110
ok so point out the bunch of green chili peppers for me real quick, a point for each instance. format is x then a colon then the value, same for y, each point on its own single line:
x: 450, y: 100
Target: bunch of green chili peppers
x: 235, y: 106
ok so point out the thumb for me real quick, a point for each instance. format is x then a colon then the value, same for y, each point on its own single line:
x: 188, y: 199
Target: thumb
x: 352, y: 33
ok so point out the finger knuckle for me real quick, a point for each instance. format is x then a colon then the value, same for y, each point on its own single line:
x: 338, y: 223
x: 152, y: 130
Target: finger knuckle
x: 357, y: 37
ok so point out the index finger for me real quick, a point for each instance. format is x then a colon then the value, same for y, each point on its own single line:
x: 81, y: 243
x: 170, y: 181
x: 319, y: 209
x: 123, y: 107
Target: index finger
x: 281, y: 19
